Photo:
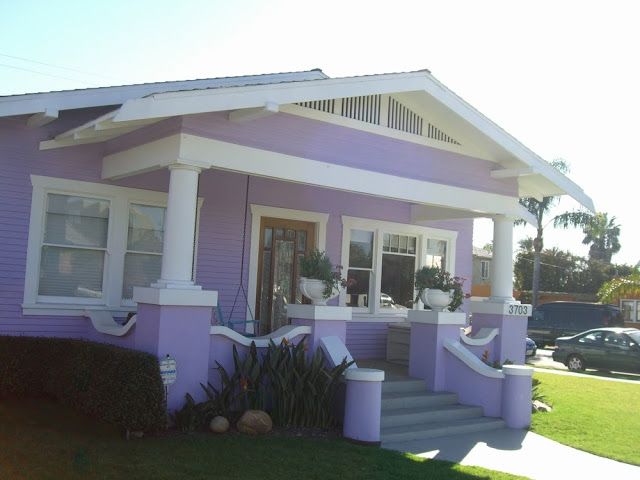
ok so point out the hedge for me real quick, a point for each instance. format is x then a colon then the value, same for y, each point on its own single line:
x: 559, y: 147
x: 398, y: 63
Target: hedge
x: 115, y: 384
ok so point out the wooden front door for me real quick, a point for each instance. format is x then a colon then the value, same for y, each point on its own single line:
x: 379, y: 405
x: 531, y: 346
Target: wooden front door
x: 282, y: 244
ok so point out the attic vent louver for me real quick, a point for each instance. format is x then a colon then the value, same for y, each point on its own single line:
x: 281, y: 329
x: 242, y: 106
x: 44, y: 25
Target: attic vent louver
x: 382, y: 110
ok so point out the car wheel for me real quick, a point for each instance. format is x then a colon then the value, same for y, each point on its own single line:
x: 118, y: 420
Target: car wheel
x: 575, y: 363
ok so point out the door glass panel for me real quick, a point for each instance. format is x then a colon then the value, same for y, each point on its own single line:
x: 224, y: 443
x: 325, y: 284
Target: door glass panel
x: 268, y: 233
x: 291, y: 234
x: 358, y: 289
x: 265, y: 290
x: 302, y: 241
x: 279, y: 233
x: 282, y: 282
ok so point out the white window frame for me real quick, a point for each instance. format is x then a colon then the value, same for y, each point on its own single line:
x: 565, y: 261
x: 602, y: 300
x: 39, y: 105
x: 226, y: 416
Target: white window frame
x: 636, y: 308
x: 120, y: 198
x: 379, y: 228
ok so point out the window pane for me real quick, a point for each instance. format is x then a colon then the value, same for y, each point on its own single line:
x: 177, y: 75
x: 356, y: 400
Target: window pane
x: 71, y: 272
x: 412, y: 246
x: 627, y: 311
x: 393, y: 243
x: 358, y: 291
x: 403, y: 244
x: 397, y: 281
x: 436, y: 253
x: 146, y: 228
x: 140, y: 270
x: 76, y: 221
x: 361, y: 249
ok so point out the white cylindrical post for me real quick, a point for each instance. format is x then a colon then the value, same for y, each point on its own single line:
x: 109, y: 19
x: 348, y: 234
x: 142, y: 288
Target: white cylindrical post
x: 179, y: 228
x: 502, y: 261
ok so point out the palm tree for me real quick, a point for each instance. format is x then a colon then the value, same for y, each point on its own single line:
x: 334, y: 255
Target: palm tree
x: 539, y: 209
x: 599, y: 231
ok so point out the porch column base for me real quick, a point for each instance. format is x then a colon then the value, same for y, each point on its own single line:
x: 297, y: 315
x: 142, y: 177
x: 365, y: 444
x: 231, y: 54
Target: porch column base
x: 511, y: 319
x: 177, y: 323
x: 363, y: 405
x: 516, y: 396
x: 324, y: 320
x: 429, y: 330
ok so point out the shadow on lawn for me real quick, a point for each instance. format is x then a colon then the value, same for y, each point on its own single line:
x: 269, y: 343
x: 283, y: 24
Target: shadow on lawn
x: 46, y: 440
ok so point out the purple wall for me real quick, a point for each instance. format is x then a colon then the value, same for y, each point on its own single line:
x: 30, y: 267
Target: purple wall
x: 221, y: 220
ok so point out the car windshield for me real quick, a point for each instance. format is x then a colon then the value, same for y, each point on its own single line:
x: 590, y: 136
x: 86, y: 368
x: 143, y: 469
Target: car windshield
x: 635, y: 336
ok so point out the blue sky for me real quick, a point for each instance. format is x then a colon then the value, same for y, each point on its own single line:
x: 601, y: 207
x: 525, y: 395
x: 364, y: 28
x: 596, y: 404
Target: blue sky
x: 560, y: 76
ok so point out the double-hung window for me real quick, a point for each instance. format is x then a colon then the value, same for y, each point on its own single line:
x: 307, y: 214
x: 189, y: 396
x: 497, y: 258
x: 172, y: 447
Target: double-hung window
x: 90, y: 244
x: 381, y: 260
x: 630, y: 310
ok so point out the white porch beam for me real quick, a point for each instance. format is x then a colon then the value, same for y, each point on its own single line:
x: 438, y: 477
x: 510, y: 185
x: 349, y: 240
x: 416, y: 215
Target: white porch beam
x: 512, y: 172
x: 248, y: 114
x: 43, y: 118
x: 208, y: 153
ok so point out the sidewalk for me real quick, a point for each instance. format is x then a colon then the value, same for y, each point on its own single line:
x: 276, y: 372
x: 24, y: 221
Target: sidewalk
x: 521, y: 453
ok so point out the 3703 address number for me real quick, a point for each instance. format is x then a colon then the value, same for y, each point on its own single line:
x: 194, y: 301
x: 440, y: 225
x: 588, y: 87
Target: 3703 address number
x: 518, y: 309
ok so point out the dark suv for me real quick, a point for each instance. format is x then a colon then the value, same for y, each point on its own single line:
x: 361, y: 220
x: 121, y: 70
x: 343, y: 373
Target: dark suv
x: 564, y: 319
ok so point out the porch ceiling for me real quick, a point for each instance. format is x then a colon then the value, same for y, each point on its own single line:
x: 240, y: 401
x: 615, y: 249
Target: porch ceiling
x: 420, y: 90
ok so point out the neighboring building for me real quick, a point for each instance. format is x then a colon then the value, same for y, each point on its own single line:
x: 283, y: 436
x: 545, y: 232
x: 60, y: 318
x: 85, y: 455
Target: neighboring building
x: 168, y: 199
x: 481, y: 273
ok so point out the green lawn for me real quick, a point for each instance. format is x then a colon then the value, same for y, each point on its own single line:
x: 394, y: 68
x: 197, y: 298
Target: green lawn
x: 598, y: 416
x: 40, y: 439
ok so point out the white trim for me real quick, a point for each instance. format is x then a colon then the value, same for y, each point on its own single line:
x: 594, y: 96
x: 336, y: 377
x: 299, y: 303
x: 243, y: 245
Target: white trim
x: 175, y: 296
x: 470, y: 360
x: 429, y: 317
x: 364, y: 375
x: 517, y: 370
x: 319, y: 312
x: 483, y: 337
x: 287, y: 332
x: 102, y: 96
x: 259, y: 211
x: 378, y: 227
x: 71, y: 310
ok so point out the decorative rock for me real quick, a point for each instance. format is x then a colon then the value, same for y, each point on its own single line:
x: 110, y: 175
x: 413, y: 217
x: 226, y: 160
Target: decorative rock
x: 254, y: 422
x: 538, y: 406
x: 219, y: 424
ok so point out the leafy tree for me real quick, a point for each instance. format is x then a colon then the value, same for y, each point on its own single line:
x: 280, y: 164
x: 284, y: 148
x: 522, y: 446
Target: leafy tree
x: 600, y: 232
x: 540, y: 209
x: 628, y: 286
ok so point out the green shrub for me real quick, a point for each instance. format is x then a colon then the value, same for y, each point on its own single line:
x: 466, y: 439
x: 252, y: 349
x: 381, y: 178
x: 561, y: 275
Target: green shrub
x: 115, y: 384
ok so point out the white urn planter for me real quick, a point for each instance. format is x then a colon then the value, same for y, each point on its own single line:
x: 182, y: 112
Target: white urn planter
x: 438, y: 300
x: 313, y: 289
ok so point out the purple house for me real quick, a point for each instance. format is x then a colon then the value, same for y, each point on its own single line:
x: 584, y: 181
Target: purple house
x: 192, y: 202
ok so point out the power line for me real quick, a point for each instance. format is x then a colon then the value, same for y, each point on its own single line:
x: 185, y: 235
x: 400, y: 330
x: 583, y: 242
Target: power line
x: 58, y: 66
x: 46, y: 74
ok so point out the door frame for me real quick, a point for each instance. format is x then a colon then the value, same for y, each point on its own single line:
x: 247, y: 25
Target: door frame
x: 259, y: 211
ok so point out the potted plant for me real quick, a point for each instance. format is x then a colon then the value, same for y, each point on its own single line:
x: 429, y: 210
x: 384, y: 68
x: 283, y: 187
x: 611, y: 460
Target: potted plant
x: 319, y: 279
x: 438, y: 289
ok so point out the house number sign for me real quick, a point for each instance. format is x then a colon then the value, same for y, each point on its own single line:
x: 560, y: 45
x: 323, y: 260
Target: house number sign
x: 168, y: 371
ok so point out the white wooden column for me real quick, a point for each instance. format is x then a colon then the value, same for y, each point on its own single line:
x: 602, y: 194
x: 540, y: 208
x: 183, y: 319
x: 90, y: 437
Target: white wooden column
x: 502, y: 261
x: 179, y: 228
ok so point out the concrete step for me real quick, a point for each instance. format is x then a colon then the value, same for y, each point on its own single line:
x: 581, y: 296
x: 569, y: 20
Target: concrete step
x: 406, y: 433
x: 407, y: 385
x: 420, y: 415
x: 417, y: 399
